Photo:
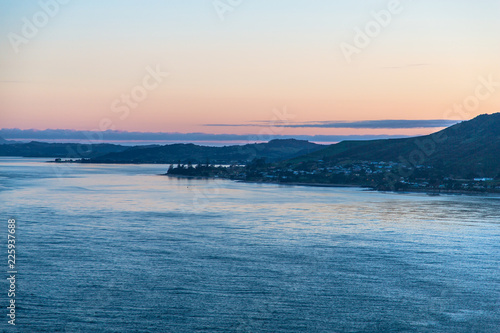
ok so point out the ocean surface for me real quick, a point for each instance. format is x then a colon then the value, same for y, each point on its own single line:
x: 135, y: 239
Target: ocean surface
x: 119, y: 248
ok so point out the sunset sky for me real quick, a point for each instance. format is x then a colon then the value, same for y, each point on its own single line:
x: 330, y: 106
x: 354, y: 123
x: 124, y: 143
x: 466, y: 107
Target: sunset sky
x: 260, y: 61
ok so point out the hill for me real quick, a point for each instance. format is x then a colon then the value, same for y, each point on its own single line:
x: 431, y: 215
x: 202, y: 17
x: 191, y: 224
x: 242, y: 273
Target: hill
x: 3, y: 141
x: 470, y: 148
x: 274, y: 150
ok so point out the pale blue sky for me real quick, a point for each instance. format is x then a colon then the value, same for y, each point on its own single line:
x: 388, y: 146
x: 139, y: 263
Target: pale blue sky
x: 265, y: 54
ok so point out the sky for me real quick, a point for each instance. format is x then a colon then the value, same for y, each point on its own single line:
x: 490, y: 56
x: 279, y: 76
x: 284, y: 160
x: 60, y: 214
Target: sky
x: 248, y: 67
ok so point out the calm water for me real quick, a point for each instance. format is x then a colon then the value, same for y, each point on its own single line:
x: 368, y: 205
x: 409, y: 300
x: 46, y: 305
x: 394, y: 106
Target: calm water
x: 105, y: 248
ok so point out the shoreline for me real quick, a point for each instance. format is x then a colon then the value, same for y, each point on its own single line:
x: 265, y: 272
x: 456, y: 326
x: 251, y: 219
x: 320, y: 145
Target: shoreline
x: 262, y: 182
x: 305, y: 184
x: 429, y: 192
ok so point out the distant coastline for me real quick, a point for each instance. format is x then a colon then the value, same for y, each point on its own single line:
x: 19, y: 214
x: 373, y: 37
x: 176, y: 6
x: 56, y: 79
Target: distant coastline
x: 461, y: 159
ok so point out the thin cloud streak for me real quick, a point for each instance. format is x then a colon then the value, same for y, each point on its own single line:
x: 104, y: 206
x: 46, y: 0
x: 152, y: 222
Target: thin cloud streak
x: 406, y: 66
x: 365, y: 124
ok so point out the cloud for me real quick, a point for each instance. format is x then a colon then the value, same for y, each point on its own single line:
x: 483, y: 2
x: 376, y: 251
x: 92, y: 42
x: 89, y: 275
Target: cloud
x: 64, y: 135
x: 60, y: 135
x: 365, y: 124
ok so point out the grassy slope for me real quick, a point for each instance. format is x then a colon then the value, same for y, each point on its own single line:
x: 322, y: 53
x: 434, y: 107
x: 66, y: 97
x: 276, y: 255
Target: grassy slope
x: 469, y: 147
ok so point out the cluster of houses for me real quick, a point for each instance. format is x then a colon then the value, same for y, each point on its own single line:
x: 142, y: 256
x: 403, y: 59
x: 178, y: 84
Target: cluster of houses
x: 381, y: 175
x: 377, y: 174
x: 320, y: 168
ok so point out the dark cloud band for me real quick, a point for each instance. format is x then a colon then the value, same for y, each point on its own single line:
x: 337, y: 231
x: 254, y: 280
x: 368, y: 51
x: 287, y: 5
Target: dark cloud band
x: 117, y: 136
x: 365, y: 124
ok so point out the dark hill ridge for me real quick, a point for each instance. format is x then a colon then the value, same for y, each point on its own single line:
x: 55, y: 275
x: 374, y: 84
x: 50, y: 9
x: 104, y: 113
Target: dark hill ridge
x: 470, y: 147
x: 274, y: 150
x: 3, y: 141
